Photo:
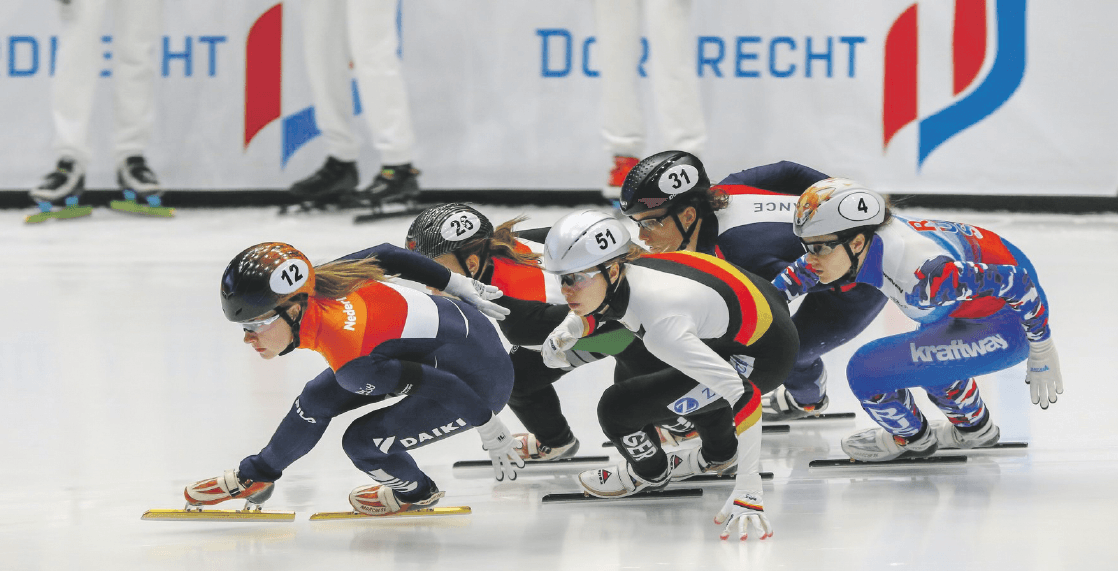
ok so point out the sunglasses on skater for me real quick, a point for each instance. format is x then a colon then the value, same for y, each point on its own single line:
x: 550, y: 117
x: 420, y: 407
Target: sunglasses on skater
x: 821, y: 248
x: 258, y: 325
x: 578, y: 280
x: 651, y: 223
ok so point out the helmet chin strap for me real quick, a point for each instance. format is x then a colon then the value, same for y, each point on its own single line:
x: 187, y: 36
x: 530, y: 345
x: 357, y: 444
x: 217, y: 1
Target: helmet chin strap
x: 483, y: 263
x: 686, y: 234
x: 853, y: 271
x: 294, y: 324
x: 611, y: 289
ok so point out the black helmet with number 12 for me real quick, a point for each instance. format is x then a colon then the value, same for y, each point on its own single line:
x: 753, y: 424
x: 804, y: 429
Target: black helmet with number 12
x: 262, y: 278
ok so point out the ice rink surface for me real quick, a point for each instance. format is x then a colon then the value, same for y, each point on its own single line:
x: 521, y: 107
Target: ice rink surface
x: 122, y: 383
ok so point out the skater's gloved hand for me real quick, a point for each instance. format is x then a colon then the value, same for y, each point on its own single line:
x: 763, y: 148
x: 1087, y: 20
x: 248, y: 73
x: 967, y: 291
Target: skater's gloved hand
x: 563, y: 339
x: 477, y: 294
x: 1043, y: 374
x: 496, y: 439
x: 796, y: 279
x: 740, y: 511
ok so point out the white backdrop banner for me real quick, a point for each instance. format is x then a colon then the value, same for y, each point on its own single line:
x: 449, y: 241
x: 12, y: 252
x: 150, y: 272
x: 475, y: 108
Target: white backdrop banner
x: 929, y: 96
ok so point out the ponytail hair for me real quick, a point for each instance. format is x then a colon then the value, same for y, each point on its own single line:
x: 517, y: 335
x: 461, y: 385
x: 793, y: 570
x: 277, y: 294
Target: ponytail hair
x: 503, y: 244
x: 343, y: 277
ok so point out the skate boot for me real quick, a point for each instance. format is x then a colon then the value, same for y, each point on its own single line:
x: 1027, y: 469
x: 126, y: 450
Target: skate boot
x: 531, y: 449
x: 378, y: 499
x: 621, y: 167
x: 951, y: 436
x: 327, y: 185
x: 67, y: 179
x: 398, y: 183
x: 678, y: 433
x: 690, y: 462
x: 619, y: 482
x: 779, y: 406
x: 877, y: 445
x: 142, y: 193
x: 62, y: 187
x: 226, y: 487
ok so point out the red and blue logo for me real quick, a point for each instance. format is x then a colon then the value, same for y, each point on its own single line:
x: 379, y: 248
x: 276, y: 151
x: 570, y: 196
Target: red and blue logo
x: 970, y: 49
x: 264, y: 87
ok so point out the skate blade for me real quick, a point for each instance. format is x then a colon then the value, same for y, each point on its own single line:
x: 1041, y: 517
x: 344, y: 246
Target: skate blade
x: 668, y: 494
x: 994, y: 448
x: 218, y: 515
x: 449, y: 510
x: 391, y: 210
x: 931, y: 461
x: 765, y: 476
x: 573, y: 461
x: 826, y: 416
x: 60, y: 214
x: 136, y: 208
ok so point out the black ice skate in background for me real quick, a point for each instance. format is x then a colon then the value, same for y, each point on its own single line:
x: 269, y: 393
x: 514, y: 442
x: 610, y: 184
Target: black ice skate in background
x: 333, y: 184
x: 393, y: 192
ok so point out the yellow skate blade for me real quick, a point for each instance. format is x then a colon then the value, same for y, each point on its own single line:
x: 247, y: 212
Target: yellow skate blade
x: 60, y: 214
x: 133, y: 207
x: 454, y: 510
x: 217, y: 515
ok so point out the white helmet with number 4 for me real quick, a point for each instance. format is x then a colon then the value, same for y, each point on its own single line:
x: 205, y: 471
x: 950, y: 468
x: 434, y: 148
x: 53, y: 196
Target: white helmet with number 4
x: 836, y: 205
x: 582, y: 240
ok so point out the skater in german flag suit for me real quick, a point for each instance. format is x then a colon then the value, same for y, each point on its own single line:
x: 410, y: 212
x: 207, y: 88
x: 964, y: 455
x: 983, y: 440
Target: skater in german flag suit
x: 379, y: 340
x: 747, y: 220
x: 974, y: 295
x: 724, y: 334
x: 464, y: 241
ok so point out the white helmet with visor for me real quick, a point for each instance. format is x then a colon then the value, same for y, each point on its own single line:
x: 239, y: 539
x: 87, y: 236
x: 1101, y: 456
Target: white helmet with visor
x: 583, y: 240
x: 835, y: 206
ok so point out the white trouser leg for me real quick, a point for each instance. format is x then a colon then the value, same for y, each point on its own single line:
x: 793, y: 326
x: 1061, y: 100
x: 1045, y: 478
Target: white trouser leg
x: 75, y: 77
x: 373, y: 40
x: 618, y: 30
x: 675, y: 85
x: 326, y: 51
x: 138, y: 25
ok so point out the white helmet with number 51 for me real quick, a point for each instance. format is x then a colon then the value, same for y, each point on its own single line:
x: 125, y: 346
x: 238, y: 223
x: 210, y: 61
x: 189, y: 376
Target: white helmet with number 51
x: 582, y: 240
x: 836, y: 205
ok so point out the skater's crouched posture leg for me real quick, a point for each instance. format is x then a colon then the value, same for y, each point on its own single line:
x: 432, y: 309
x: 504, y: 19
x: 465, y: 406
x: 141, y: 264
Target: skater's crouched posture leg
x: 627, y: 413
x: 300, y: 430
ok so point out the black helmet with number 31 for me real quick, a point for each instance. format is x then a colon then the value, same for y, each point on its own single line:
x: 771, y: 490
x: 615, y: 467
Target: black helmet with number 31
x: 262, y: 278
x: 669, y: 178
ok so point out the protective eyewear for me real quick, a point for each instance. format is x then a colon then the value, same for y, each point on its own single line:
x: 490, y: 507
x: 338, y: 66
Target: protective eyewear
x: 822, y: 248
x: 258, y: 325
x: 578, y: 280
x: 651, y: 223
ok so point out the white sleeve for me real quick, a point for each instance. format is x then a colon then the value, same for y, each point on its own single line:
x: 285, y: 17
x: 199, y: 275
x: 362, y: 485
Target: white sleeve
x: 674, y: 340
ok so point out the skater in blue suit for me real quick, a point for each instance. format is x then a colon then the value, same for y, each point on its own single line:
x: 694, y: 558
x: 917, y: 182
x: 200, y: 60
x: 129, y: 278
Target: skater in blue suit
x: 976, y: 297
